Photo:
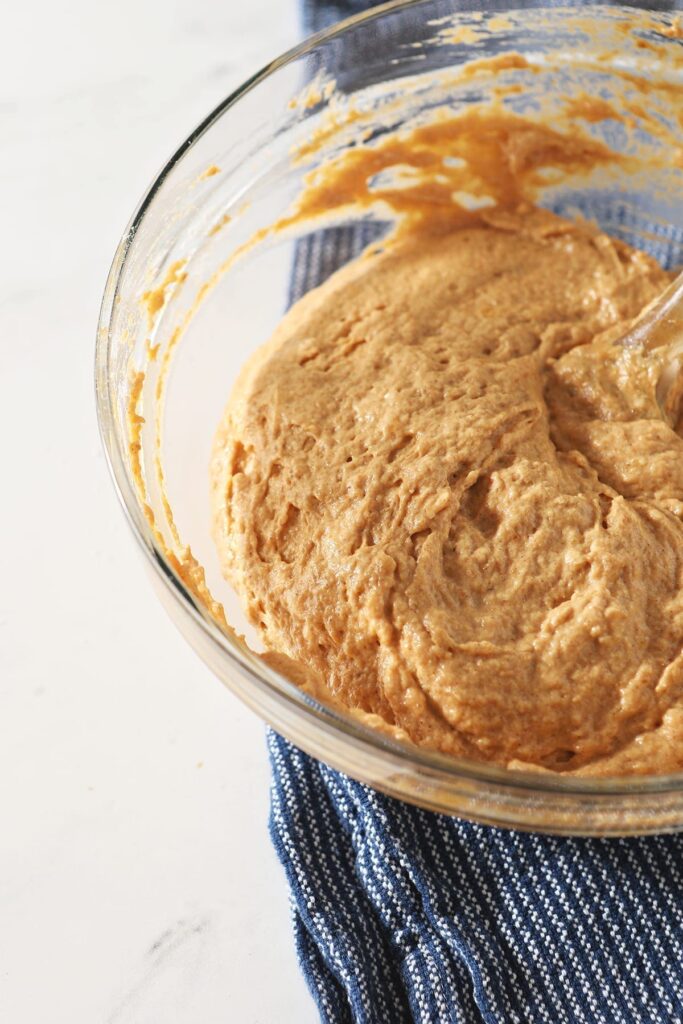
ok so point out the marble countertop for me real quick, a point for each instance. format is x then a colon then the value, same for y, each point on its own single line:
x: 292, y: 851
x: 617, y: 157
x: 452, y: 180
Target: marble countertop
x: 137, y: 880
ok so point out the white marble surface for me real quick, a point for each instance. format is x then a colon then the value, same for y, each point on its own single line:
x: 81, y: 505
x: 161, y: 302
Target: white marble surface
x: 137, y: 881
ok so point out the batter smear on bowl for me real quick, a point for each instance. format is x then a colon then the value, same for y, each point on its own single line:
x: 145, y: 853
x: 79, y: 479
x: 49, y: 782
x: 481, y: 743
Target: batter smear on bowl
x: 452, y: 509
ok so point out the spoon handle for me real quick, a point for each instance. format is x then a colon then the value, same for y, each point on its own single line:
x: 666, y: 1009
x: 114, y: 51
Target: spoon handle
x: 659, y: 332
x: 662, y: 321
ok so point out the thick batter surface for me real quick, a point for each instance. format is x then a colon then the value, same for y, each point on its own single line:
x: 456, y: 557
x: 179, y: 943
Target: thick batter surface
x: 445, y: 499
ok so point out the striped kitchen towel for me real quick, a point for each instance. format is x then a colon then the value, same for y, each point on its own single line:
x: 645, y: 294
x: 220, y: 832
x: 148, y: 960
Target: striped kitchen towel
x: 404, y: 915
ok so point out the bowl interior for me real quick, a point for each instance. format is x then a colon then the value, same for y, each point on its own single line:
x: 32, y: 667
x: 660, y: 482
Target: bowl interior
x: 201, y: 281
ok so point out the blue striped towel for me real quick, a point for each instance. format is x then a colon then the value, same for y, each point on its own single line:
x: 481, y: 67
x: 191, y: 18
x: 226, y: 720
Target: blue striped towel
x: 404, y: 915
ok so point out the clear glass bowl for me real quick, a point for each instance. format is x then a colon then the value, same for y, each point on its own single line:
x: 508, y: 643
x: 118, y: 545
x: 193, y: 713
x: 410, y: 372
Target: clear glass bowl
x: 235, y: 176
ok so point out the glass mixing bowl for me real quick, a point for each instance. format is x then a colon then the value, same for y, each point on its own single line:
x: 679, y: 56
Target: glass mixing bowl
x: 199, y: 281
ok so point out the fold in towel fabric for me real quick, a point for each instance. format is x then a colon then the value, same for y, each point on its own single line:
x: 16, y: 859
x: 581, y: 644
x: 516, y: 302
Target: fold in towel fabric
x: 404, y: 915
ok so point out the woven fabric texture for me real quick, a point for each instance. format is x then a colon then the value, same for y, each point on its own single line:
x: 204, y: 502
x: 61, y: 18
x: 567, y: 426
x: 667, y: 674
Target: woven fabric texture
x: 404, y: 915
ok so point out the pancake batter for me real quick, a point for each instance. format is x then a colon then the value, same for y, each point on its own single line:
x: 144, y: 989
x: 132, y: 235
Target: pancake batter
x: 450, y: 508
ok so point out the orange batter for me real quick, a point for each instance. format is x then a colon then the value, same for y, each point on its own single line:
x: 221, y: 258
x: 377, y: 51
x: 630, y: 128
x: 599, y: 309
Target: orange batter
x: 437, y: 505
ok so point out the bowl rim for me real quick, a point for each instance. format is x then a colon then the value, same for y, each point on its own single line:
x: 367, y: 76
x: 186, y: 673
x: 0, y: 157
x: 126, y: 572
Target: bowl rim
x: 260, y: 674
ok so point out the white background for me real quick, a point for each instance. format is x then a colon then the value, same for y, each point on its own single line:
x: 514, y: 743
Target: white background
x: 137, y: 880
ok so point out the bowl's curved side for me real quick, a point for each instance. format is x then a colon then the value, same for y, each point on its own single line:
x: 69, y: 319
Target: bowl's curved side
x: 480, y: 792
